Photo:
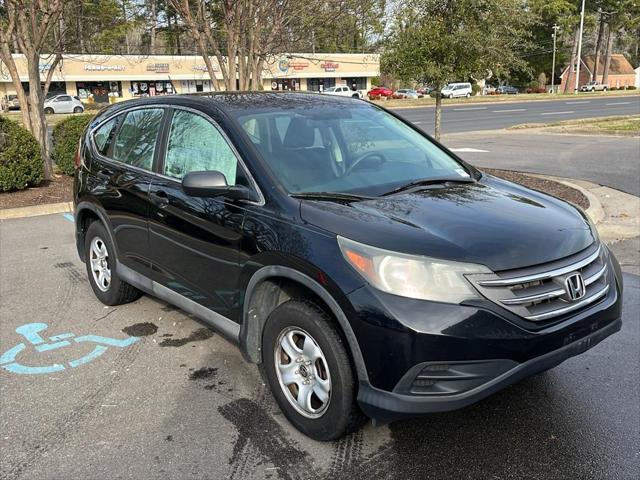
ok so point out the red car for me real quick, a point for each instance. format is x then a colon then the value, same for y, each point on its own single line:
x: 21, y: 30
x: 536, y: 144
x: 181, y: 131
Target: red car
x: 377, y: 92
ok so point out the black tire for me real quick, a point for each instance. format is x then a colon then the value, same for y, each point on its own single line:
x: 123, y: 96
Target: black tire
x: 342, y: 414
x: 117, y: 291
x: 48, y: 110
x: 355, y: 95
x: 78, y: 110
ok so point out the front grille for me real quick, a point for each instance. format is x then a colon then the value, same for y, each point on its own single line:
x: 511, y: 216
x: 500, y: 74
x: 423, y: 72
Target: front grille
x: 540, y: 293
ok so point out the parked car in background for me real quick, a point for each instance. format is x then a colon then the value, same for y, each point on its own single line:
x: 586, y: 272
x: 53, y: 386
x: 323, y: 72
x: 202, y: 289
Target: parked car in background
x: 507, y: 90
x: 377, y: 92
x: 425, y: 90
x: 342, y: 91
x: 369, y: 270
x: 454, y: 90
x: 594, y: 86
x: 63, y: 104
x: 13, y: 102
x: 406, y: 93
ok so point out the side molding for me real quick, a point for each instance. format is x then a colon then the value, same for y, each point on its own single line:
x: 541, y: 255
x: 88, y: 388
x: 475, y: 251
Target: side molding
x: 228, y: 328
x: 251, y: 329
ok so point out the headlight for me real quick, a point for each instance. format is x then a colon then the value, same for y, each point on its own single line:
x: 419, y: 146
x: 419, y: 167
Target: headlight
x: 411, y: 276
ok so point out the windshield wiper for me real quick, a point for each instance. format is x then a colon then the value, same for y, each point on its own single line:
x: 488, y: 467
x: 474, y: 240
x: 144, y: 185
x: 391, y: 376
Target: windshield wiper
x: 426, y: 182
x: 331, y: 196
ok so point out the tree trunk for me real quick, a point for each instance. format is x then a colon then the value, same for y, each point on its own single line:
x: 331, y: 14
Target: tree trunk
x: 596, y: 56
x: 574, y: 61
x: 607, y: 58
x: 37, y: 120
x: 438, y: 119
x: 154, y: 21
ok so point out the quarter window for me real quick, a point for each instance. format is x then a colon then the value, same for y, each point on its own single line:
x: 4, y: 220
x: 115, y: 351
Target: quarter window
x: 135, y: 143
x: 195, y: 145
x: 104, y: 136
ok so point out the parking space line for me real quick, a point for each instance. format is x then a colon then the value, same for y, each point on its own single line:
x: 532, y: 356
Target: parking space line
x: 68, y: 216
x: 467, y: 109
x: 557, y: 113
x: 618, y: 103
x: 511, y: 110
x: 576, y: 103
x: 468, y: 150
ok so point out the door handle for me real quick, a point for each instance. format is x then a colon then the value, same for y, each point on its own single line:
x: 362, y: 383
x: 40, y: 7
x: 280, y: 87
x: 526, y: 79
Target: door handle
x: 159, y: 198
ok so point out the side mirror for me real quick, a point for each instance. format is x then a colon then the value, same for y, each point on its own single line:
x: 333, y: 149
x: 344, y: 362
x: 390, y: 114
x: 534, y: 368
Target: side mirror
x: 214, y: 184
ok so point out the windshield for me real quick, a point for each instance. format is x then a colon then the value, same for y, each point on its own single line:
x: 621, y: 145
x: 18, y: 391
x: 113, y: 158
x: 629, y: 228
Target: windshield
x: 344, y: 148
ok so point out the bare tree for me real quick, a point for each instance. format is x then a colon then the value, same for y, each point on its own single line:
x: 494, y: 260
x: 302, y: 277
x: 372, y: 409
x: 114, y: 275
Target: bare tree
x: 30, y: 25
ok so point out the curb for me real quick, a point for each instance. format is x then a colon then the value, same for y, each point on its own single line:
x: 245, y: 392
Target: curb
x: 595, y: 210
x: 499, y: 102
x: 615, y: 213
x: 36, y: 210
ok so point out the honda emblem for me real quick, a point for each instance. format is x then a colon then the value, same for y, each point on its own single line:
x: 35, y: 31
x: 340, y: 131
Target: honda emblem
x: 575, y: 287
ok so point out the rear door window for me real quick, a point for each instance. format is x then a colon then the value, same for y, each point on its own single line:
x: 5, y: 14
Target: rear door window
x: 136, y: 140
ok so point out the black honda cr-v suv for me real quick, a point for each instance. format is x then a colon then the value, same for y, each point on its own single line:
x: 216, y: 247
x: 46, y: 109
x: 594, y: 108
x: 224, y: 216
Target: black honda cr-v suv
x: 369, y: 270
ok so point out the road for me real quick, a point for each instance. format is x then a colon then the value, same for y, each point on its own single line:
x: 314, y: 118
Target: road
x: 606, y: 160
x: 491, y: 116
x: 182, y: 403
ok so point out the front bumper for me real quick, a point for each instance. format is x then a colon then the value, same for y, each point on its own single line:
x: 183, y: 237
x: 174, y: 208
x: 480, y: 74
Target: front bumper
x: 424, y: 357
x: 386, y: 406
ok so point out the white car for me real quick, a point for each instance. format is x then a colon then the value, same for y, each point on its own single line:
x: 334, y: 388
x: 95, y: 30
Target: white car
x: 594, y: 86
x: 406, y: 93
x: 342, y: 92
x: 453, y: 90
x: 63, y: 104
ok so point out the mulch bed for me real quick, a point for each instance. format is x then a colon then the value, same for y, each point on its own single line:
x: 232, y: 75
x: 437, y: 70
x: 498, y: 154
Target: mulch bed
x: 547, y: 186
x: 60, y: 189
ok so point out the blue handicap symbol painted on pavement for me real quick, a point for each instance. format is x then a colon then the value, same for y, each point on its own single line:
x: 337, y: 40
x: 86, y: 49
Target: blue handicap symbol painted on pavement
x: 31, y: 332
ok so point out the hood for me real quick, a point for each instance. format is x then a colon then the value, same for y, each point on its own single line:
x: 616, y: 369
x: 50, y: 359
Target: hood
x: 492, y: 222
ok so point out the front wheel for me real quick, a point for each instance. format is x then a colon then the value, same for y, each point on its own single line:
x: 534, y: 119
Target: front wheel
x: 48, y: 110
x: 450, y: 96
x: 309, y: 371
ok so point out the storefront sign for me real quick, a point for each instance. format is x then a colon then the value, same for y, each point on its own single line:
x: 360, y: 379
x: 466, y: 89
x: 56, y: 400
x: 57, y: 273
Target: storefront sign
x: 203, y: 68
x: 91, y: 67
x: 329, y: 66
x: 284, y: 65
x: 158, y: 67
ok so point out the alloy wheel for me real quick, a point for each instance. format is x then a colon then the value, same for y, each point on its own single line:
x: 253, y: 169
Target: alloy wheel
x: 303, y: 372
x: 99, y: 259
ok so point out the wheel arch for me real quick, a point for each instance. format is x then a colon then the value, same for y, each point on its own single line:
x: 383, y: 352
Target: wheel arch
x: 273, y: 285
x: 85, y: 214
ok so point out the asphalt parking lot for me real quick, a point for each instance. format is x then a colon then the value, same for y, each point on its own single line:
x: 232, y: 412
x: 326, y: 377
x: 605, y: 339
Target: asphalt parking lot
x: 180, y: 402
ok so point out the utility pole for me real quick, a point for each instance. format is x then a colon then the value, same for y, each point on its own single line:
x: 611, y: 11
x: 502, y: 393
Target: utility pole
x: 553, y: 62
x: 577, y: 86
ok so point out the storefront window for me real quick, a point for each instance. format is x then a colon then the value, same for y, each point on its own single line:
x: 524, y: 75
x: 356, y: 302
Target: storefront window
x: 285, y: 84
x: 192, y: 86
x: 98, y: 92
x: 356, y: 83
x: 144, y: 88
x: 320, y: 84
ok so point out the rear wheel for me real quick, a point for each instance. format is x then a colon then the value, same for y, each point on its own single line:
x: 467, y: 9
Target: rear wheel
x: 604, y: 89
x: 309, y: 371
x: 101, y: 261
x: 78, y: 110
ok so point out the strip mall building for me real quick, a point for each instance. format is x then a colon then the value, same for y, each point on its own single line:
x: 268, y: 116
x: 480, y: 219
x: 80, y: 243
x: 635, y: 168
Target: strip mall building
x: 100, y: 78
